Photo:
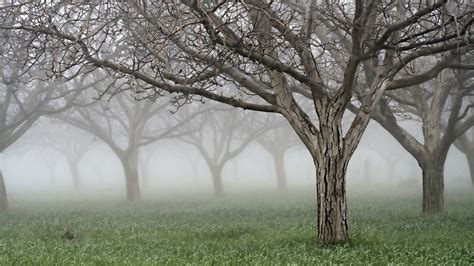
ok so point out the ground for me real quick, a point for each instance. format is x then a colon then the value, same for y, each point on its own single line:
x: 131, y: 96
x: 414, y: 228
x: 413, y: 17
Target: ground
x: 236, y: 230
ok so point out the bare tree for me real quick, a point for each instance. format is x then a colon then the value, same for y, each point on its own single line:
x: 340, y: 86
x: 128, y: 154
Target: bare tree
x: 277, y: 142
x: 224, y: 135
x: 271, y: 50
x: 147, y: 159
x: 466, y: 146
x: 427, y: 102
x: 69, y: 142
x: 125, y: 125
x: 390, y: 156
x: 465, y: 143
x: 23, y: 99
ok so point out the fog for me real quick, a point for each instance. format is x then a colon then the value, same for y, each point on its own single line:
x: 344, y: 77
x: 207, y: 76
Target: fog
x: 175, y: 169
x: 151, y: 102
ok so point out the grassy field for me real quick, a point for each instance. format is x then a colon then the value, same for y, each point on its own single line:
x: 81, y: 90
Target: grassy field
x: 235, y: 230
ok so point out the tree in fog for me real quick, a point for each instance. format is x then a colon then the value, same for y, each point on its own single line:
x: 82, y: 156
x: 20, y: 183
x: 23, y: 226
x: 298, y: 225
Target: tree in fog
x: 277, y: 142
x: 390, y: 157
x: 125, y: 125
x: 69, y: 142
x: 466, y: 145
x: 24, y: 97
x: 439, y: 101
x: 50, y: 161
x: 465, y: 142
x: 222, y: 136
x: 270, y: 50
x: 147, y: 157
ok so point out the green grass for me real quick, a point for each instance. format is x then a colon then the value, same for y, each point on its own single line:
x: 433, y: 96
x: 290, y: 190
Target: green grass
x: 235, y: 230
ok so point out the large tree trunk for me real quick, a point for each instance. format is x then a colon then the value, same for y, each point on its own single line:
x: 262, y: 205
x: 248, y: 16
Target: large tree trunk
x: 3, y: 194
x: 331, y: 155
x: 279, y: 161
x: 130, y: 166
x: 76, y: 177
x: 331, y: 197
x: 216, y: 172
x: 432, y: 165
x: 470, y: 162
x: 433, y: 187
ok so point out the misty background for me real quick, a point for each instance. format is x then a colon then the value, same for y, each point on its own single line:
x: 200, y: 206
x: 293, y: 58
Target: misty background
x: 32, y: 166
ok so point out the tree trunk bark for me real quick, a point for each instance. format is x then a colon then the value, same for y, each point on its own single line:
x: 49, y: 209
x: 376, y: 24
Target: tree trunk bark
x: 216, y: 172
x: 130, y: 166
x: 433, y: 187
x: 331, y: 197
x: 76, y: 177
x: 279, y: 161
x: 331, y: 152
x: 470, y: 162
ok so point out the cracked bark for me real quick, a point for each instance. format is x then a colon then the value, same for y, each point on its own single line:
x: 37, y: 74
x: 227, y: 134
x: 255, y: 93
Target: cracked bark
x: 331, y: 194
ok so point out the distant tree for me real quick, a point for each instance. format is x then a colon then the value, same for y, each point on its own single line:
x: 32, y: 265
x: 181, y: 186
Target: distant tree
x: 71, y: 143
x: 24, y: 97
x: 223, y: 135
x: 50, y: 160
x: 466, y: 145
x: 392, y: 157
x: 147, y: 157
x: 277, y: 142
x: 126, y: 125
